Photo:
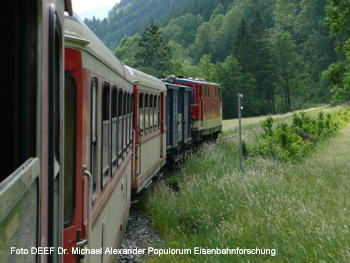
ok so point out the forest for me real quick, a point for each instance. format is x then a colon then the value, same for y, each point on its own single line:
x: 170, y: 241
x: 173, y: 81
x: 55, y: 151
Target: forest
x: 283, y: 55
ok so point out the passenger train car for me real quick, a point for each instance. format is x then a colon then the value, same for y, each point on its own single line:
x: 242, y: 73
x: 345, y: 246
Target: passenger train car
x: 150, y: 128
x: 32, y: 166
x: 206, y: 107
x: 99, y: 114
x: 84, y: 133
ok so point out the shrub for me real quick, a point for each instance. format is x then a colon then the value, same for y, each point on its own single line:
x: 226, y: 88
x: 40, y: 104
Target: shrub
x: 289, y: 142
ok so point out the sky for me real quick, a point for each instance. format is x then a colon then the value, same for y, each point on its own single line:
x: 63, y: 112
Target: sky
x: 80, y: 6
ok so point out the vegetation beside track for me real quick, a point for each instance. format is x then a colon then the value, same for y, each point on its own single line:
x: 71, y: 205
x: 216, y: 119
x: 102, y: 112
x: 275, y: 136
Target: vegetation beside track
x: 231, y: 126
x: 300, y: 208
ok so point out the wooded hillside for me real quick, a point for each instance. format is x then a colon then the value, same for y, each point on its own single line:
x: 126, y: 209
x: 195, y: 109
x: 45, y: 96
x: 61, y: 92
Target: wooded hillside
x: 272, y: 51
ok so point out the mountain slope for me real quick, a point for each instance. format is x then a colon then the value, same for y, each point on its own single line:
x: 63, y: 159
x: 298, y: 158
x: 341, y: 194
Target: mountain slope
x: 131, y: 16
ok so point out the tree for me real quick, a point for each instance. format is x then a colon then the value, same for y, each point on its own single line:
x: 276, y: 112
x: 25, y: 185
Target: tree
x: 154, y: 55
x: 263, y: 71
x: 127, y: 50
x: 286, y: 66
x: 243, y: 47
x: 233, y: 80
x: 339, y: 78
x: 205, y: 66
x: 254, y: 53
x: 204, y: 43
x: 338, y: 74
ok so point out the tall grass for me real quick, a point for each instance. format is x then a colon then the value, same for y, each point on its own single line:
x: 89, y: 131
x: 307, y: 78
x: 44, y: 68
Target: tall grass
x: 301, y: 209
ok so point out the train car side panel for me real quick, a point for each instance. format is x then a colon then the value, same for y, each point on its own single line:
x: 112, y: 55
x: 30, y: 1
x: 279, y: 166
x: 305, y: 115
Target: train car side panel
x: 103, y: 144
x: 149, y: 147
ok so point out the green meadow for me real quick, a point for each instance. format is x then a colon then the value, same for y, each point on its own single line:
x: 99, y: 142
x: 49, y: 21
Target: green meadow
x: 298, y: 207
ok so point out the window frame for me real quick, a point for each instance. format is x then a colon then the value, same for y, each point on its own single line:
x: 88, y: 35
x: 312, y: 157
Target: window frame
x: 132, y: 115
x: 146, y: 111
x: 74, y: 146
x: 141, y: 106
x: 105, y: 121
x: 114, y: 132
x: 125, y: 121
x: 120, y: 126
x: 94, y: 139
x: 151, y: 121
x: 155, y: 112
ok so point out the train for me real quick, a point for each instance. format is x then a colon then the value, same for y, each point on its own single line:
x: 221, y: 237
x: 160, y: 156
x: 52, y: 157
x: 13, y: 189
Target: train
x: 84, y: 133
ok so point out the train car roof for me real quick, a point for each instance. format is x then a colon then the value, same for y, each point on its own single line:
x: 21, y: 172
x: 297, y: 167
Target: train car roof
x: 79, y: 36
x: 180, y: 80
x: 148, y: 81
x: 177, y: 86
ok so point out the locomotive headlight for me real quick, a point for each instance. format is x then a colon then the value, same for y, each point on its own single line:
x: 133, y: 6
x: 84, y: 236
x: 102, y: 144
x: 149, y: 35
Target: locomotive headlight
x: 171, y: 78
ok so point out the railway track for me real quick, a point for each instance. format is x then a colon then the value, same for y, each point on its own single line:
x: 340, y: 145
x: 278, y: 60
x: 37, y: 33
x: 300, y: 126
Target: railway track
x: 236, y: 134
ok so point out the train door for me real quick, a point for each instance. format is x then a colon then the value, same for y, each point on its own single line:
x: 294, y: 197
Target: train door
x: 78, y: 190
x: 55, y: 136
x: 72, y: 205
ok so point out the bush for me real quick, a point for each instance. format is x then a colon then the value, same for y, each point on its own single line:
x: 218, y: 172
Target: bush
x: 289, y: 142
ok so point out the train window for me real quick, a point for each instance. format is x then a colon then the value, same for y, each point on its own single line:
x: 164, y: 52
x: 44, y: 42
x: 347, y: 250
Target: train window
x: 94, y: 134
x: 146, y: 112
x: 105, y: 133
x: 208, y: 91
x: 165, y: 112
x: 155, y: 112
x: 127, y: 129
x: 141, y: 113
x: 70, y: 110
x: 125, y: 121
x: 159, y: 112
x: 151, y: 112
x: 23, y: 74
x: 132, y: 109
x: 130, y: 119
x: 114, y: 127
x: 220, y: 95
x: 120, y: 126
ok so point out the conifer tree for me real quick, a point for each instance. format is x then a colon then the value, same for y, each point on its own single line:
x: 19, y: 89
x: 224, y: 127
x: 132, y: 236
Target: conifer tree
x: 263, y: 70
x: 154, y: 55
x: 253, y: 51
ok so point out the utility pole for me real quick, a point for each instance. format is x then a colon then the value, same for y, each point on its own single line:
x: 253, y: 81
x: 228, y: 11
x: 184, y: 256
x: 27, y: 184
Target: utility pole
x: 240, y: 107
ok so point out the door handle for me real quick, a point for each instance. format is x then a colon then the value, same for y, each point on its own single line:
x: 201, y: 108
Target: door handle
x: 80, y: 243
x: 83, y: 242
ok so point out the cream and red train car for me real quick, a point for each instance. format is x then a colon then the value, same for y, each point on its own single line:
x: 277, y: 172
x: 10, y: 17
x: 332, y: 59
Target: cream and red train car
x: 206, y: 107
x: 99, y: 113
x: 150, y: 128
x: 32, y: 168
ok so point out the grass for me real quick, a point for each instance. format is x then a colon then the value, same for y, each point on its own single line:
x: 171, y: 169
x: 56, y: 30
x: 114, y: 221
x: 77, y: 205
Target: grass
x: 301, y: 209
x: 231, y: 126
